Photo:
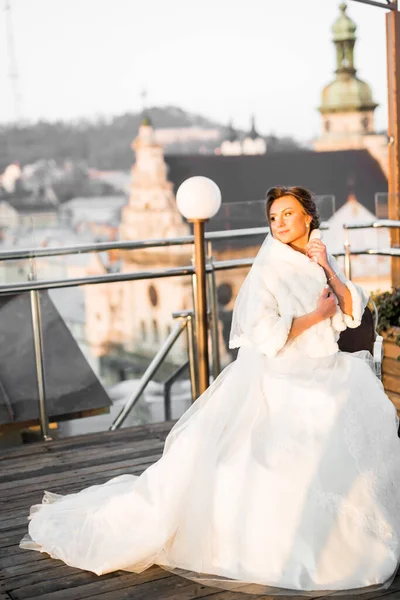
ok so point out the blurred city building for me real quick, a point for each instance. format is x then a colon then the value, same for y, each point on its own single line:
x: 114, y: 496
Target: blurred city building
x: 250, y: 143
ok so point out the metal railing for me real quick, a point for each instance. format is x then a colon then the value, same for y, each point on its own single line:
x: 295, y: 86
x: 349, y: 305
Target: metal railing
x: 33, y: 286
x: 377, y: 224
x: 185, y: 321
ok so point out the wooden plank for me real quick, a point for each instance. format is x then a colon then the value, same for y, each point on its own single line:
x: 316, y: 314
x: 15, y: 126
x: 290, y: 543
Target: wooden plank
x: 28, y: 579
x: 394, y: 588
x: 134, y: 432
x: 62, y: 452
x: 31, y: 567
x: 173, y: 587
x: 131, y: 435
x: 10, y: 538
x: 57, y: 453
x: 21, y: 557
x: 10, y: 550
x: 40, y: 586
x: 390, y: 383
x: 84, y: 585
x: 13, y: 522
x: 130, y: 465
x: 49, y: 478
x: 32, y: 471
x: 79, y: 458
x: 11, y: 519
x: 92, y: 440
x: 75, y: 484
x: 391, y: 350
x: 223, y: 595
x: 391, y: 366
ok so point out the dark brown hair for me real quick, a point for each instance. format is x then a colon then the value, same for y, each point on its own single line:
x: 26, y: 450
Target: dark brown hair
x: 301, y: 194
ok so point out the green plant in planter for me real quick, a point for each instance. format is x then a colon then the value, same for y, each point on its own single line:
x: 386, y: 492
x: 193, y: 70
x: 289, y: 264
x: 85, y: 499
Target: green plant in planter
x: 388, y: 305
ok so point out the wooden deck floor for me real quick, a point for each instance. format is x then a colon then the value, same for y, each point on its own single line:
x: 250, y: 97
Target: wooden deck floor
x: 67, y: 466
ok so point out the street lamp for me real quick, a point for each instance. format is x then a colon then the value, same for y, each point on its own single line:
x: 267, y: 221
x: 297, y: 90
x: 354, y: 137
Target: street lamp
x: 199, y: 199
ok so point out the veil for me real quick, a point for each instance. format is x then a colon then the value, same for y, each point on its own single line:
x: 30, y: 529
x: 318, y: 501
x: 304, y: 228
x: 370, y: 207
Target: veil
x: 245, y: 304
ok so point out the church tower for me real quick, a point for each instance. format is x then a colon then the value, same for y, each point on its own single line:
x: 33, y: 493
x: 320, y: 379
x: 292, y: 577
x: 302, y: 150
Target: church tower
x: 347, y: 105
x: 136, y: 316
x: 231, y: 145
x: 253, y: 143
x: 151, y: 211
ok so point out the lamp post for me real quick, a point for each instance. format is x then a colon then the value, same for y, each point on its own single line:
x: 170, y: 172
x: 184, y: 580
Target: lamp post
x: 199, y: 199
x: 393, y: 68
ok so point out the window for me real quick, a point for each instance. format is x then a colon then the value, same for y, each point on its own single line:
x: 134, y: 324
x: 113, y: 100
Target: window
x: 153, y: 295
x: 365, y: 124
x: 224, y: 293
x: 156, y: 333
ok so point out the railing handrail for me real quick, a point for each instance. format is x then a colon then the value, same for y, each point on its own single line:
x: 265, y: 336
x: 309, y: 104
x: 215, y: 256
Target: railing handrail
x: 222, y: 265
x: 25, y: 253
x: 378, y: 224
x: 394, y: 252
x: 29, y: 253
x: 158, y: 243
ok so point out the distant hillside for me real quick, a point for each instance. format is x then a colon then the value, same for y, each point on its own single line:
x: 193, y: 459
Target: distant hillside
x: 104, y: 144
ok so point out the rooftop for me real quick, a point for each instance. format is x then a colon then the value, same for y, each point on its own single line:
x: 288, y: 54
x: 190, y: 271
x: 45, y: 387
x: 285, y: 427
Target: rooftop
x: 245, y: 178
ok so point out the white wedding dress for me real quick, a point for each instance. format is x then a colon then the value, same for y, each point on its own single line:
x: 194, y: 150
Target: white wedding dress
x: 282, y: 478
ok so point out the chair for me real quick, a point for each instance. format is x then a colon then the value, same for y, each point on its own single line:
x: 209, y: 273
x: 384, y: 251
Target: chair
x: 365, y: 337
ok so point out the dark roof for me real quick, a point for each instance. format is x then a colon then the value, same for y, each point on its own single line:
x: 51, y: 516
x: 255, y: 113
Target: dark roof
x: 244, y: 178
x: 30, y: 207
x: 28, y: 203
x: 71, y: 385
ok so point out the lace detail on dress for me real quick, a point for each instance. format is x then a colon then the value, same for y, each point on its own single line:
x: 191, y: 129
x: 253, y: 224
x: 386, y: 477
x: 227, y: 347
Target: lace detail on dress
x: 360, y: 517
x: 375, y: 453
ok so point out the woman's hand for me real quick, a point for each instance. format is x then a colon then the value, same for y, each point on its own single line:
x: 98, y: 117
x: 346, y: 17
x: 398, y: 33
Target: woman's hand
x: 316, y: 250
x: 326, y: 306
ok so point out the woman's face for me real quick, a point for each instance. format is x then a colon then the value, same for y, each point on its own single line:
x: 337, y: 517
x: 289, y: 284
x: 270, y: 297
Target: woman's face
x: 289, y: 222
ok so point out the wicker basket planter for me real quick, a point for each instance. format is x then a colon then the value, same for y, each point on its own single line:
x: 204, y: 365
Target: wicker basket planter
x: 391, y: 366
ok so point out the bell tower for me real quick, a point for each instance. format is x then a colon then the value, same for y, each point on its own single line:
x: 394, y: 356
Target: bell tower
x: 347, y: 105
x: 151, y: 211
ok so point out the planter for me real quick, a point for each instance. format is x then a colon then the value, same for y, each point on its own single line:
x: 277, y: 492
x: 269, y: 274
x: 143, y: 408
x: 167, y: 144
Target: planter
x: 391, y: 366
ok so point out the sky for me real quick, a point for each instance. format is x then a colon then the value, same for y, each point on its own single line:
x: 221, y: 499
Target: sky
x: 224, y: 59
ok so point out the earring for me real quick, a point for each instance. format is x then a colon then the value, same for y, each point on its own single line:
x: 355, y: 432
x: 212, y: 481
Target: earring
x: 308, y: 224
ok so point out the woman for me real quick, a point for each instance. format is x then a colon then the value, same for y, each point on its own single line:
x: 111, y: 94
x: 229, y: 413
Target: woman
x: 283, y: 476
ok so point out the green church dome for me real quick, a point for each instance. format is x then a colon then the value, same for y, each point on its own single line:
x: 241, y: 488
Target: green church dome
x: 347, y: 93
x: 343, y: 28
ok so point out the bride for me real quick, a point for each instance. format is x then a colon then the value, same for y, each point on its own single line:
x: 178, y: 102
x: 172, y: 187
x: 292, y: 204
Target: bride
x: 283, y: 477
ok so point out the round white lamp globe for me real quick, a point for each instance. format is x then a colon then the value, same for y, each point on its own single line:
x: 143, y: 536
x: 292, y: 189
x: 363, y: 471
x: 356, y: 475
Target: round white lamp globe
x: 198, y: 198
